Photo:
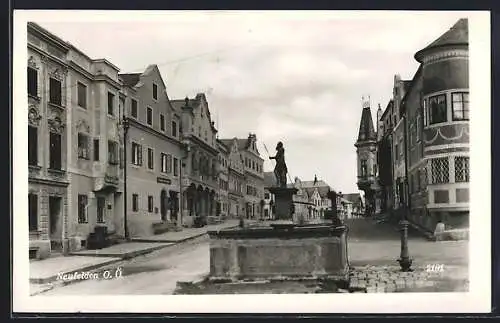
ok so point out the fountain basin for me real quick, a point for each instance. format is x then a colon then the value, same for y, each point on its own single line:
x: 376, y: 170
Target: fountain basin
x: 282, y: 251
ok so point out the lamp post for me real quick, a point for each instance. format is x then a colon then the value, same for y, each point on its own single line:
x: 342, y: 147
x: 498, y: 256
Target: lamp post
x: 125, y: 125
x: 262, y: 203
x: 404, y: 259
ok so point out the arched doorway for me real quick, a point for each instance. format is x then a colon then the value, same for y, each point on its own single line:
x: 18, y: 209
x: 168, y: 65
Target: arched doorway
x: 163, y: 204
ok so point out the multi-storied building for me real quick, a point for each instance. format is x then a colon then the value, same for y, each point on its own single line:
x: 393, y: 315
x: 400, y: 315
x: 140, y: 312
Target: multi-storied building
x: 425, y: 131
x: 199, y: 172
x: 223, y: 193
x: 154, y: 153
x: 73, y: 145
x: 437, y: 112
x: 317, y: 191
x: 236, y: 178
x: 366, y: 150
x: 254, y: 175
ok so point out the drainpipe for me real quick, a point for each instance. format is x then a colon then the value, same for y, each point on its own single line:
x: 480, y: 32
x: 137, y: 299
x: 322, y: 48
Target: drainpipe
x: 125, y: 123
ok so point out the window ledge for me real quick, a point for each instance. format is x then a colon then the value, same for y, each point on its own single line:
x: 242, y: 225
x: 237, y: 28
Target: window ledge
x: 34, y: 167
x: 56, y: 171
x: 34, y: 97
x: 60, y: 106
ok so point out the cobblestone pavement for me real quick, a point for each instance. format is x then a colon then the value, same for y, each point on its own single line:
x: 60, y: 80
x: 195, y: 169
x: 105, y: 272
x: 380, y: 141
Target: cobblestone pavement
x: 372, y: 252
x: 385, y: 279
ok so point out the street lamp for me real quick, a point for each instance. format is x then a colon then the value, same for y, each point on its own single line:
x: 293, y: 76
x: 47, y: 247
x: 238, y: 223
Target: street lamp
x: 125, y: 124
x: 187, y: 148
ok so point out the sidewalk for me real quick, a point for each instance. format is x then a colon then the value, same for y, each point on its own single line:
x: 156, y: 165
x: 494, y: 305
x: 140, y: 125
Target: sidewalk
x: 47, y: 270
x: 190, y: 233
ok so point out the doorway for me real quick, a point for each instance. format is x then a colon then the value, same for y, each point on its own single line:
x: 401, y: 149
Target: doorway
x: 101, y: 207
x: 163, y: 205
x: 55, y: 223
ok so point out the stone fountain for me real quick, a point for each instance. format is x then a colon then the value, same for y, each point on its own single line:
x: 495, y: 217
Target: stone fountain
x: 275, y: 258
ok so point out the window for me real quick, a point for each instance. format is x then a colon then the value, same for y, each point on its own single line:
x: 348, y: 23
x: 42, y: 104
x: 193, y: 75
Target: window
x: 437, y: 109
x: 169, y: 164
x: 55, y: 151
x: 150, y: 204
x: 396, y: 152
x: 176, y: 167
x: 96, y: 149
x: 33, y: 211
x: 266, y: 196
x: 151, y: 158
x: 174, y: 129
x: 136, y: 154
x: 164, y: 160
x: 418, y: 180
x: 82, y: 208
x: 162, y: 122
x: 112, y: 152
x: 155, y: 91
x: 419, y: 128
x: 111, y: 101
x: 439, y: 170
x: 83, y: 146
x: 460, y: 106
x: 133, y: 108
x: 32, y: 146
x: 32, y: 82
x: 149, y: 116
x: 55, y: 92
x: 364, y: 168
x: 82, y: 95
x: 425, y: 112
x: 461, y: 169
x: 135, y: 202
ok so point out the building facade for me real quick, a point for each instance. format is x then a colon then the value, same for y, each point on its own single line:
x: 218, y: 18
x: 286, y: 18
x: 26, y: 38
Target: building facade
x: 269, y: 181
x: 317, y: 192
x: 154, y: 153
x: 253, y: 180
x: 73, y: 145
x: 366, y: 151
x: 200, y: 166
x: 437, y: 109
x: 425, y: 130
x: 223, y: 194
x: 236, y: 179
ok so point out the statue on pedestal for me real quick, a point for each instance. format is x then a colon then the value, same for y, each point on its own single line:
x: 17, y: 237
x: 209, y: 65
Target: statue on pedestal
x: 280, y: 170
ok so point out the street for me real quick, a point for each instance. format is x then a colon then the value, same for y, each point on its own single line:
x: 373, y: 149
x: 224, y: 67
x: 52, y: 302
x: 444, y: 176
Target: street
x: 369, y: 244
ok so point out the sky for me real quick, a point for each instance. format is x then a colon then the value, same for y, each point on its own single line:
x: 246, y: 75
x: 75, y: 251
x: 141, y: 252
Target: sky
x: 295, y: 77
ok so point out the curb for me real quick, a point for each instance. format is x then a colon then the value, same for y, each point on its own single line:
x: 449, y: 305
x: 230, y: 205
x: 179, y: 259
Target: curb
x: 87, y: 268
x: 176, y: 241
x: 123, y: 256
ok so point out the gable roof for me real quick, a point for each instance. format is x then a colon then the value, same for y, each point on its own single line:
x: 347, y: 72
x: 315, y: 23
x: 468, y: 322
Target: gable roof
x: 366, y: 129
x: 130, y: 79
x: 457, y: 35
x: 322, y: 186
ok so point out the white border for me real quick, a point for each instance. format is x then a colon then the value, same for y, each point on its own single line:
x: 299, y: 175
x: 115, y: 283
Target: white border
x: 476, y: 300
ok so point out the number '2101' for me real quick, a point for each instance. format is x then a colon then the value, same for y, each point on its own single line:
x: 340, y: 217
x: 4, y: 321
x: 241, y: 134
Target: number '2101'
x: 435, y: 268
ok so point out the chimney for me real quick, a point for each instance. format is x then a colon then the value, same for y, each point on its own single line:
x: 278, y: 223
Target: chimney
x: 186, y: 101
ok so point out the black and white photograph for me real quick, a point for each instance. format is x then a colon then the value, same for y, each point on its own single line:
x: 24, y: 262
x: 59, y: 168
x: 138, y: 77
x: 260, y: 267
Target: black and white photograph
x: 251, y: 161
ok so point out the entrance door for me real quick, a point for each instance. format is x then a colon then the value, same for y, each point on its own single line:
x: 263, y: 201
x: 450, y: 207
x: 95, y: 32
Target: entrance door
x: 101, y: 208
x: 55, y: 223
x: 163, y: 205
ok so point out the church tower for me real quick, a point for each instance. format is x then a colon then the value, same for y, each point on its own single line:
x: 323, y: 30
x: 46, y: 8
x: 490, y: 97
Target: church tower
x: 366, y: 151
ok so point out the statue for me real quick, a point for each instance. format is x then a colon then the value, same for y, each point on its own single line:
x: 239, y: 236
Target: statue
x: 280, y: 170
